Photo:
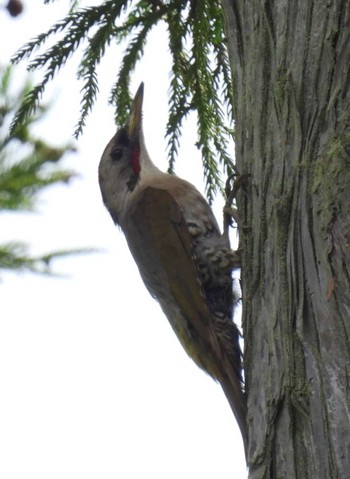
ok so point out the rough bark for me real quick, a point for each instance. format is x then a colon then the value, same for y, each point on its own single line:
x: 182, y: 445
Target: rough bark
x: 290, y: 61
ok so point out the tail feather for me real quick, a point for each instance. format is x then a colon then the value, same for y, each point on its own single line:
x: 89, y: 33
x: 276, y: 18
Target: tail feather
x: 236, y: 398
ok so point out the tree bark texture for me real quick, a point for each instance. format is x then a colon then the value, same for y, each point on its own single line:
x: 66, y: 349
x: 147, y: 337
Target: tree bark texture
x: 290, y: 62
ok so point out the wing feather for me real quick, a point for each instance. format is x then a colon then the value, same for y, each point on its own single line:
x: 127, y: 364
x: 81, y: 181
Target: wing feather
x: 161, y: 244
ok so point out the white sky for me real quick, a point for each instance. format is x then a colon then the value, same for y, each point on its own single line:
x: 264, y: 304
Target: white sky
x: 93, y: 381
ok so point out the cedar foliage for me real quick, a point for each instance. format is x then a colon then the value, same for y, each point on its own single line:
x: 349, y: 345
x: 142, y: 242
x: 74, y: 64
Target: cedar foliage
x: 200, y: 77
x: 27, y: 166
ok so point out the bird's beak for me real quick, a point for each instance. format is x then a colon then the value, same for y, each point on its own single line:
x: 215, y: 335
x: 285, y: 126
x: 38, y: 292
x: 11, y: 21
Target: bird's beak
x: 135, y: 116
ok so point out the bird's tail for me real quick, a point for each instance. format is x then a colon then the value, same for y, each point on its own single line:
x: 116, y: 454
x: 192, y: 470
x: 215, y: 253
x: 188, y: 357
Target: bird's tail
x: 233, y: 391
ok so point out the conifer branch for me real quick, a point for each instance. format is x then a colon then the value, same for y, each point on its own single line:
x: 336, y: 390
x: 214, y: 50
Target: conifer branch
x: 200, y: 77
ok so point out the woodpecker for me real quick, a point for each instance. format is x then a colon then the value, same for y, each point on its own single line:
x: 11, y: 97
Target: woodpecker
x: 182, y: 257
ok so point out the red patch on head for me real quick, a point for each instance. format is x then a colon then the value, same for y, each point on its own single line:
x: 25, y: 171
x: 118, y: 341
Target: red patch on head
x: 135, y: 159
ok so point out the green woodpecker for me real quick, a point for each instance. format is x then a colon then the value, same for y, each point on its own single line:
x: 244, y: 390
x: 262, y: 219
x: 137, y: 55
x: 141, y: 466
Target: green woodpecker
x: 183, y: 259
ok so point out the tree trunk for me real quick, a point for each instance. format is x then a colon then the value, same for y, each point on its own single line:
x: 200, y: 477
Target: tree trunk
x: 290, y: 61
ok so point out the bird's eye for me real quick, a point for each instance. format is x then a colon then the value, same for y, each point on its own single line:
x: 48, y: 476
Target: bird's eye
x: 116, y: 153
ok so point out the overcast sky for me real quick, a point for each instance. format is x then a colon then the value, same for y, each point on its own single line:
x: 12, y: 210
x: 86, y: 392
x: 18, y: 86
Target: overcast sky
x: 94, y: 383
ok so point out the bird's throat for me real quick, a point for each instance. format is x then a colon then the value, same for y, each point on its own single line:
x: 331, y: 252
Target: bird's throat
x: 135, y: 159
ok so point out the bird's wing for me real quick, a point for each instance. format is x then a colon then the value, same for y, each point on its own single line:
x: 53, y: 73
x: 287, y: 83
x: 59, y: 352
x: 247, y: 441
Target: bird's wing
x: 164, y: 246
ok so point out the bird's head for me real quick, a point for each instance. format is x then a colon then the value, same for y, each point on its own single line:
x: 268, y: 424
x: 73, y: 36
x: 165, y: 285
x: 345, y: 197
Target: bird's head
x: 124, y: 161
